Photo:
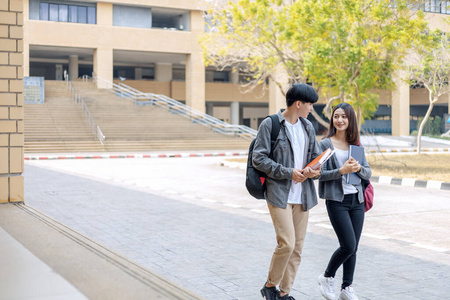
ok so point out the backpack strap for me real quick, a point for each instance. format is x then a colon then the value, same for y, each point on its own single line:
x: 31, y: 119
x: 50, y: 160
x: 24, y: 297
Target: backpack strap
x: 275, y: 128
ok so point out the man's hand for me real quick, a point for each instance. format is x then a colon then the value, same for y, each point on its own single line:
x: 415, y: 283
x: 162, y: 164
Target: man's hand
x: 310, y: 173
x: 297, y: 176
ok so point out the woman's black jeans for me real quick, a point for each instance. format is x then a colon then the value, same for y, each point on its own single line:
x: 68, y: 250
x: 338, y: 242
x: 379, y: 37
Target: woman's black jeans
x: 347, y: 218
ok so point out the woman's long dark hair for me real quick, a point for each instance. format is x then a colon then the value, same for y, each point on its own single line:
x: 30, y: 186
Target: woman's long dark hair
x: 352, y: 129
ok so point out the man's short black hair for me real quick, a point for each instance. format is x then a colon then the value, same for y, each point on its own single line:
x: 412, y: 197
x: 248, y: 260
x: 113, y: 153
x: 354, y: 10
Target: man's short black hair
x: 301, y: 92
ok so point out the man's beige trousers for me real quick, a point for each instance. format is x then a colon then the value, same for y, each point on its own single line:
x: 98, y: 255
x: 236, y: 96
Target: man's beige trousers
x: 290, y: 227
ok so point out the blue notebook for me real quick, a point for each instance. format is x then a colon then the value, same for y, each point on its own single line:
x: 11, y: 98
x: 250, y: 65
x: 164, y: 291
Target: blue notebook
x: 357, y: 152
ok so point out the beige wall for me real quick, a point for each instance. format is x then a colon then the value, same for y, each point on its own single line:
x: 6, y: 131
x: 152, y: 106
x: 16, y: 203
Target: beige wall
x: 11, y: 101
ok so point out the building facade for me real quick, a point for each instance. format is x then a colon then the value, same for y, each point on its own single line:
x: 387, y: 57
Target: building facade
x: 152, y: 45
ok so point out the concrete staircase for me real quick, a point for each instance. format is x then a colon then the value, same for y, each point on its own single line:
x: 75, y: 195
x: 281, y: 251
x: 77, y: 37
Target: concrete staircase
x: 58, y: 125
x: 130, y: 127
x: 126, y: 126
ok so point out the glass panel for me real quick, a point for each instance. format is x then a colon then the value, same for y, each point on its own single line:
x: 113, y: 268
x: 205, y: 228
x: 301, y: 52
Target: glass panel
x: 43, y: 11
x: 53, y: 12
x: 73, y: 14
x: 82, y: 14
x: 91, y: 15
x: 63, y: 13
x: 427, y: 6
x: 436, y: 7
x: 446, y: 7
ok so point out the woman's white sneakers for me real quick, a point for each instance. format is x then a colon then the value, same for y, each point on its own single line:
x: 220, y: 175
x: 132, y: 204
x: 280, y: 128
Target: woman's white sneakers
x: 326, y: 287
x: 348, y: 294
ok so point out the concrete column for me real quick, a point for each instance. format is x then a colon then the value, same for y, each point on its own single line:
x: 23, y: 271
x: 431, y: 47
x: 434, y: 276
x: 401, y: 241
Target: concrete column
x: 195, y: 67
x: 103, y: 65
x: 73, y: 67
x: 209, y: 108
x: 163, y: 72
x: 138, y: 73
x: 234, y: 76
x: 234, y: 113
x: 400, y: 107
x: 195, y: 81
x: 277, y: 100
x: 11, y: 103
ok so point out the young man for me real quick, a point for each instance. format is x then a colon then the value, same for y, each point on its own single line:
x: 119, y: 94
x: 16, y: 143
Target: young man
x: 290, y: 190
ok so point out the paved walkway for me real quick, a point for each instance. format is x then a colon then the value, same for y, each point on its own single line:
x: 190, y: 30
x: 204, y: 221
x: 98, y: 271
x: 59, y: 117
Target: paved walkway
x: 206, y: 234
x: 149, y: 229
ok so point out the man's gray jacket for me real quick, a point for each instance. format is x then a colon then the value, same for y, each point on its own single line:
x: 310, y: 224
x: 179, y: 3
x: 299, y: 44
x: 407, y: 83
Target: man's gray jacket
x: 280, y: 167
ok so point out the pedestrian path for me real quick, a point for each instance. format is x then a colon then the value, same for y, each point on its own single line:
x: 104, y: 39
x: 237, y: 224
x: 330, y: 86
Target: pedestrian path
x: 222, y: 251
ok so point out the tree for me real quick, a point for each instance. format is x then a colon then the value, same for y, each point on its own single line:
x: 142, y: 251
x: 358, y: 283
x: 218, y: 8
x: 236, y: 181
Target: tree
x: 347, y: 48
x: 355, y: 48
x: 429, y: 65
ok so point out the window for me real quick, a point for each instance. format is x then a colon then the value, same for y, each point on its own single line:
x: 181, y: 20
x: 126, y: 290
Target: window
x: 73, y: 14
x: 82, y: 14
x: 53, y: 14
x: 437, y: 6
x: 43, y: 11
x: 63, y: 13
x: 91, y: 15
x: 67, y: 13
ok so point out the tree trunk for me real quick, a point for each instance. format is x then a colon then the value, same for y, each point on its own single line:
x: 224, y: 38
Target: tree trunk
x: 424, y: 121
x: 319, y: 119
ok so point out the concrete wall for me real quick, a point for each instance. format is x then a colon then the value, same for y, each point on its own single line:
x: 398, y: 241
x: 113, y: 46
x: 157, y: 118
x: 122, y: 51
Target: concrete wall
x: 11, y: 101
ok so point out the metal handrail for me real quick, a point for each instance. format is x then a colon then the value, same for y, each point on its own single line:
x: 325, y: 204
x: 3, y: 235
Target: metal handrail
x: 175, y: 106
x: 79, y: 99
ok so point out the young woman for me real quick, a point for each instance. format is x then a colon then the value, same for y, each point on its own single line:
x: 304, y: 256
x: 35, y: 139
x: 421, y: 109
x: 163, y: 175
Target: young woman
x: 345, y: 202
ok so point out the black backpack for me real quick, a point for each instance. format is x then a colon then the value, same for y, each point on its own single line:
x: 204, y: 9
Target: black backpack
x: 255, y: 180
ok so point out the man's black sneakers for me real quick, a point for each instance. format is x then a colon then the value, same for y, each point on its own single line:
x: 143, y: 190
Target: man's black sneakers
x: 269, y: 293
x: 285, y: 297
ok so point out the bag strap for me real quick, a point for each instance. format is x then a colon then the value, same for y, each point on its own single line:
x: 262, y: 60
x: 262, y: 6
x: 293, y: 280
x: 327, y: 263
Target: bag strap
x: 275, y: 128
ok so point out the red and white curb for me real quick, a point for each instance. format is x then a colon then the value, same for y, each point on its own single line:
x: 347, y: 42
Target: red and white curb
x: 176, y: 155
x: 140, y: 155
x: 410, y: 150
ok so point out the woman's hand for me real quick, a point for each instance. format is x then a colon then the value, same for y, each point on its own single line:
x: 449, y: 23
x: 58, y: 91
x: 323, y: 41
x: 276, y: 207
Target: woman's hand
x: 350, y: 166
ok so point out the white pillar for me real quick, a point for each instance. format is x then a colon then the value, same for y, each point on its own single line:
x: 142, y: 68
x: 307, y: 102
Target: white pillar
x: 103, y: 65
x: 73, y: 67
x: 234, y: 113
x: 137, y: 73
x: 209, y: 108
x: 163, y: 72
x: 400, y: 107
x: 195, y: 81
x: 277, y: 100
x: 234, y: 76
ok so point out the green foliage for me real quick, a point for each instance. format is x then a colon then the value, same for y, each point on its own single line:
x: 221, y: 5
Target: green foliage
x: 348, y: 48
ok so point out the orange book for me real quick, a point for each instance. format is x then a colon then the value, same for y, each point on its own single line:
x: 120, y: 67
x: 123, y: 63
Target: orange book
x: 319, y: 160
